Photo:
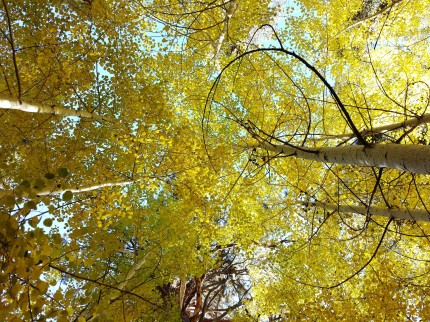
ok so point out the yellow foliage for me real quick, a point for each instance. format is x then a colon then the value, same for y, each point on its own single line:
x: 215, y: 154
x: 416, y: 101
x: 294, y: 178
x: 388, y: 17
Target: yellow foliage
x: 167, y: 177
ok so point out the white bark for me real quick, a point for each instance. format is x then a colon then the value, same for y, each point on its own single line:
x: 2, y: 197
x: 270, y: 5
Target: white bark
x: 56, y: 110
x: 230, y: 9
x: 373, y: 16
x: 133, y: 271
x: 88, y: 188
x: 405, y: 157
x: 50, y: 192
x: 381, y: 129
x: 364, y: 19
x: 130, y: 274
x: 182, y: 291
x: 397, y: 213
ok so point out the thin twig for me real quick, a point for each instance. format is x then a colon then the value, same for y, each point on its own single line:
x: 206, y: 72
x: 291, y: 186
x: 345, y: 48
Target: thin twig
x: 12, y: 44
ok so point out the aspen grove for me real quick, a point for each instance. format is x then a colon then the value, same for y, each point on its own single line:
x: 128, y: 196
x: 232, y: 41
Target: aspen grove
x: 228, y: 160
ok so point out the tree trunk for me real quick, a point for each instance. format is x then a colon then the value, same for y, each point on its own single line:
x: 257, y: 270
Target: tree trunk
x: 47, y: 192
x: 381, y: 129
x: 182, y: 292
x: 133, y: 271
x: 57, y: 110
x: 368, y: 16
x: 229, y: 11
x: 412, y: 158
x: 397, y: 213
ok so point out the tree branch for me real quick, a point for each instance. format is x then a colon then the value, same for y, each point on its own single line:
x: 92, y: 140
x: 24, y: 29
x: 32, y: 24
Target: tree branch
x: 102, y: 284
x: 55, y: 110
x: 12, y: 45
x: 396, y: 213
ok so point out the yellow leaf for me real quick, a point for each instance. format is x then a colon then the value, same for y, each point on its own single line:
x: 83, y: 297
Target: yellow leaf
x: 69, y: 311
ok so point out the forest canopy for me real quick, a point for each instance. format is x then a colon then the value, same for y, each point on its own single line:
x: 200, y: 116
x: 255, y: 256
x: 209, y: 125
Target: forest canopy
x: 226, y: 160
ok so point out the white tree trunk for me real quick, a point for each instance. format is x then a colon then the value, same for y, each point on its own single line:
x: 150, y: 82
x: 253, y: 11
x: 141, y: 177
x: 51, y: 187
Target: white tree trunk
x: 405, y: 157
x: 230, y: 9
x: 397, y: 213
x: 380, y: 129
x: 88, y: 188
x: 133, y: 271
x: 47, y: 192
x: 182, y: 289
x: 374, y: 15
x: 57, y: 110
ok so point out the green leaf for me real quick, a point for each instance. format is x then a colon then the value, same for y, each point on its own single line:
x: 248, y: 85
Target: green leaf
x: 49, y: 175
x: 58, y: 295
x: 42, y: 286
x: 63, y: 172
x: 33, y: 222
x: 31, y: 204
x: 26, y: 184
x: 68, y: 195
x: 9, y: 201
x: 47, y: 222
x: 39, y: 184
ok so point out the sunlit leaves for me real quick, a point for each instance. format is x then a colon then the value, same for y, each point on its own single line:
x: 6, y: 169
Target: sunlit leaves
x: 97, y: 217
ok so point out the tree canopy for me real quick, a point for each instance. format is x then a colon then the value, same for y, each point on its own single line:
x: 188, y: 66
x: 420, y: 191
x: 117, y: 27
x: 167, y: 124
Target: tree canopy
x: 226, y: 160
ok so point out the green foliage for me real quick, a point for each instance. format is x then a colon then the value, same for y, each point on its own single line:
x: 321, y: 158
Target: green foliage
x: 67, y: 196
x: 62, y: 172
x: 49, y: 176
